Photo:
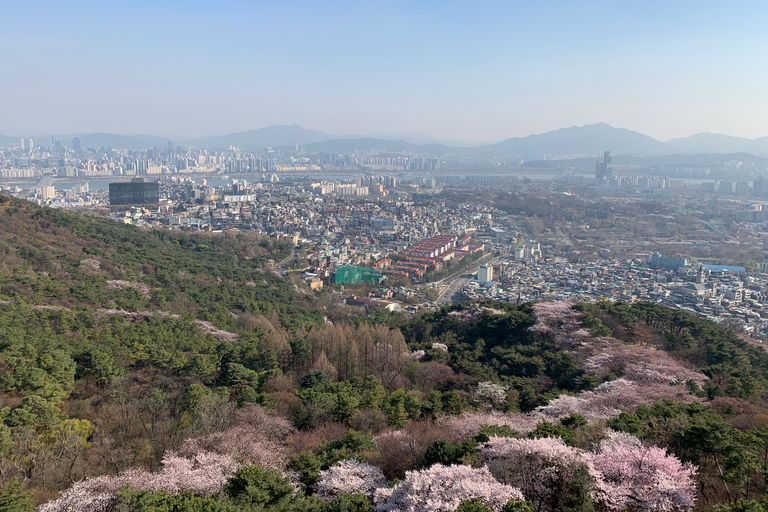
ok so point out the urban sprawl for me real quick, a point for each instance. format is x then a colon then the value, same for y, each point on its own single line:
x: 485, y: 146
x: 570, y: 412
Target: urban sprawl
x: 410, y: 232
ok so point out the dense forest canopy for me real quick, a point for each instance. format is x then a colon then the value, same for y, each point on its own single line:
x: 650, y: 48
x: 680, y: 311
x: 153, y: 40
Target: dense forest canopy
x: 156, y: 370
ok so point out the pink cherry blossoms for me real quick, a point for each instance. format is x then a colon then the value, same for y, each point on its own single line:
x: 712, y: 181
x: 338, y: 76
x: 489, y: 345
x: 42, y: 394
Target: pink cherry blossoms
x: 646, y: 375
x: 557, y: 320
x: 202, y: 465
x: 442, y: 488
x: 243, y: 444
x: 641, y: 479
x: 542, y: 468
x: 468, y: 424
x: 626, y: 475
x: 350, y: 476
x: 203, y: 474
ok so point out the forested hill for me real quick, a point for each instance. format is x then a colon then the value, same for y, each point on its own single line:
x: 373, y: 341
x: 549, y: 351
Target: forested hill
x: 151, y: 371
x: 50, y: 257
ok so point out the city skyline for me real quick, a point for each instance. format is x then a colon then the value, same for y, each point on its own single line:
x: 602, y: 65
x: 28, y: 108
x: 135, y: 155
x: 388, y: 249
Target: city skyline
x: 477, y: 73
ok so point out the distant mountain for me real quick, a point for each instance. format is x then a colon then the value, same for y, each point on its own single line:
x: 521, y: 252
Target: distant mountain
x: 113, y: 140
x: 591, y: 139
x: 7, y: 142
x: 272, y: 136
x: 576, y: 142
x: 366, y: 144
x: 417, y: 138
x: 716, y: 143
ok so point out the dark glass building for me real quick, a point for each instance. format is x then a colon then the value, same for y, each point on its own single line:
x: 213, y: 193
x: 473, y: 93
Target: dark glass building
x: 134, y: 193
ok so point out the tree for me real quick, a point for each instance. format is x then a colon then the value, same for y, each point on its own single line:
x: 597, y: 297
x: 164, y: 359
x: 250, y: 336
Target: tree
x: 641, y: 479
x: 351, y: 477
x: 14, y: 499
x: 260, y: 486
x: 441, y: 488
x: 490, y: 396
x: 551, y: 474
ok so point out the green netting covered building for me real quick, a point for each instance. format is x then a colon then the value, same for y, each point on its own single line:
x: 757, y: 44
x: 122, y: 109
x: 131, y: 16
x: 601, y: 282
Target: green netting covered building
x: 350, y: 275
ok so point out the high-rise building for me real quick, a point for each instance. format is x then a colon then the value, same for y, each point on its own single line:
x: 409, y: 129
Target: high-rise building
x: 23, y: 144
x: 48, y: 192
x: 603, y: 169
x: 135, y: 192
x: 485, y: 273
x: 76, y: 144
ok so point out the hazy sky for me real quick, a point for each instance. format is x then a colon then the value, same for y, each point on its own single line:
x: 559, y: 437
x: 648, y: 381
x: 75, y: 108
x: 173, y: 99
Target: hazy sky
x: 477, y: 71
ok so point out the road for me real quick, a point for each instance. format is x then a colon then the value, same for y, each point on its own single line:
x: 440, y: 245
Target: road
x: 281, y: 265
x: 294, y: 253
x: 452, y: 295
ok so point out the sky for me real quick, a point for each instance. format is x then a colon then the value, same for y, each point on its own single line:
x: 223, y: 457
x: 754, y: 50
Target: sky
x: 468, y: 71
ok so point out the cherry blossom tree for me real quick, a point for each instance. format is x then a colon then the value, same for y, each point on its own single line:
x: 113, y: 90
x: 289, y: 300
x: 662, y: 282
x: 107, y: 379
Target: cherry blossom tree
x: 633, y: 477
x: 203, y: 474
x: 489, y: 395
x: 349, y: 476
x: 610, y: 398
x: 551, y: 474
x: 440, y: 346
x: 467, y: 425
x: 442, y: 488
x: 245, y: 444
x: 557, y: 320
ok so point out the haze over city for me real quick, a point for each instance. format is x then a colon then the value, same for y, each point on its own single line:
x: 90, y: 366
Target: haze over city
x: 478, y: 72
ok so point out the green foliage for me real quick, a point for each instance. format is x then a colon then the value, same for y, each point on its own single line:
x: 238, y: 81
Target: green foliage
x: 628, y: 423
x: 566, y: 429
x: 498, y: 348
x: 742, y: 506
x: 351, y: 503
x: 347, y: 447
x: 517, y: 506
x: 14, y: 499
x: 309, y: 465
x: 447, y: 453
x: 259, y: 486
x: 34, y: 412
x: 488, y: 431
x: 473, y: 505
x: 314, y: 378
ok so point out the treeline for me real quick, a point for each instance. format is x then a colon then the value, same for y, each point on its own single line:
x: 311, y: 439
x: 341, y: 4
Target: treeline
x: 736, y: 367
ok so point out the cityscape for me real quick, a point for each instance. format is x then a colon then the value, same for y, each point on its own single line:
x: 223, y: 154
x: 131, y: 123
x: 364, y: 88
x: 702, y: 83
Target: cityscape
x: 418, y: 231
x: 383, y: 256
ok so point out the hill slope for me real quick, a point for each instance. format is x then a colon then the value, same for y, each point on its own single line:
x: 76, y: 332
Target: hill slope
x: 70, y: 260
x: 578, y: 140
x: 271, y: 136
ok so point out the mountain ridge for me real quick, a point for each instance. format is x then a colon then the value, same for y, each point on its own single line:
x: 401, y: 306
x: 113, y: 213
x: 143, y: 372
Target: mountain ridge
x: 586, y: 140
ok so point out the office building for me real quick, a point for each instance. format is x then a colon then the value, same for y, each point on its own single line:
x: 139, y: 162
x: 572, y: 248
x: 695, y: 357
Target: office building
x: 603, y: 169
x: 485, y: 273
x: 134, y: 193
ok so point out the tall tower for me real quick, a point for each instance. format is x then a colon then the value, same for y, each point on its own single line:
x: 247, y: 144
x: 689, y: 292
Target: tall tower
x: 603, y: 169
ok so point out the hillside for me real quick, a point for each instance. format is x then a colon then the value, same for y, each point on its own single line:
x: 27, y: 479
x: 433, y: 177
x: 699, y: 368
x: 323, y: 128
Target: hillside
x: 271, y: 136
x: 578, y: 140
x: 179, y: 373
x: 367, y: 144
